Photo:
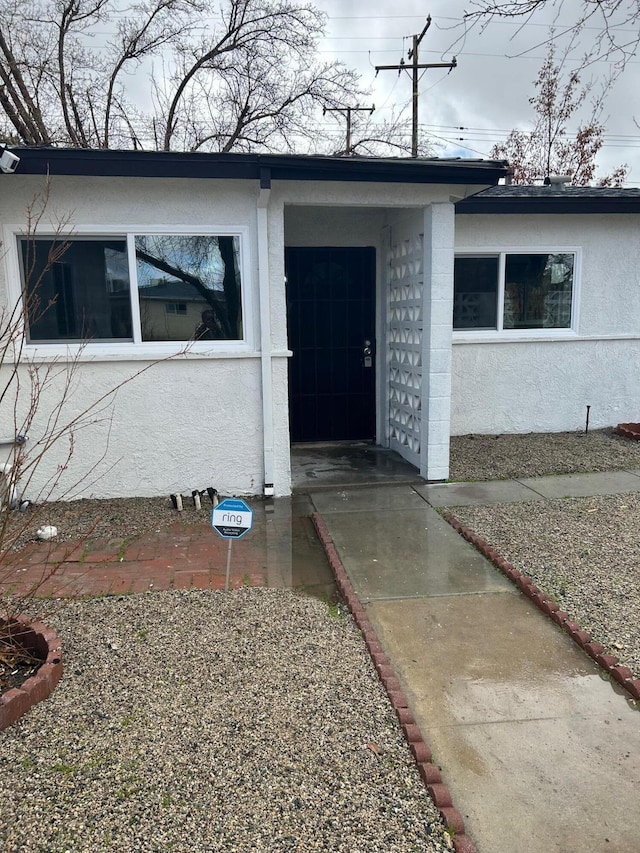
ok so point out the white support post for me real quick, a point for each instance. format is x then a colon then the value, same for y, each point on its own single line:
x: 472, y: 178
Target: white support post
x: 437, y: 295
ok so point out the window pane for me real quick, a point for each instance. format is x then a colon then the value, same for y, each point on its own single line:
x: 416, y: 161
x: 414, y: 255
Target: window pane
x: 475, y: 293
x: 76, y: 289
x: 201, y: 275
x: 538, y: 291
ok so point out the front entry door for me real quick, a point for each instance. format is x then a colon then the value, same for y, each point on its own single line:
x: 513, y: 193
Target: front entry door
x: 331, y: 321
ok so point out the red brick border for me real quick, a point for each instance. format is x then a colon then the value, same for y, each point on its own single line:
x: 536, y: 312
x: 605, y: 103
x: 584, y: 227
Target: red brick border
x: 43, y: 641
x: 609, y: 663
x: 629, y: 431
x: 429, y: 772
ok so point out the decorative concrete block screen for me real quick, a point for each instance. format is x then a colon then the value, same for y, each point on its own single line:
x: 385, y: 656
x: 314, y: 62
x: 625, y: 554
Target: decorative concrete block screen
x: 404, y: 335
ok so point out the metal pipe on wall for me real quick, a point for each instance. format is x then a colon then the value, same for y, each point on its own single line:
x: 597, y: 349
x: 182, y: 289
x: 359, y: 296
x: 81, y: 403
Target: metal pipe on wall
x: 265, y: 330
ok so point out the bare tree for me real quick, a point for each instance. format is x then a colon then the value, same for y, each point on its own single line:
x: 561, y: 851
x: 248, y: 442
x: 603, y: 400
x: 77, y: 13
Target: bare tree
x: 616, y: 22
x: 240, y: 77
x: 549, y: 148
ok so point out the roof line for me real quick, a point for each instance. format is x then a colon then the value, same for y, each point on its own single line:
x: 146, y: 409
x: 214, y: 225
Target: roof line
x: 230, y: 165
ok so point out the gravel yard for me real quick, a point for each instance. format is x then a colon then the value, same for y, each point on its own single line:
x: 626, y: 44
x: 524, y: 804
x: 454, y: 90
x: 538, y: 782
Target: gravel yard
x: 254, y: 720
x: 197, y: 721
x: 502, y: 457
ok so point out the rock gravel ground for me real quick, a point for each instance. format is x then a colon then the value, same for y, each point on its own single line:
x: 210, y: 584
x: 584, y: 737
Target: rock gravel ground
x: 203, y: 721
x: 501, y: 457
x: 253, y: 720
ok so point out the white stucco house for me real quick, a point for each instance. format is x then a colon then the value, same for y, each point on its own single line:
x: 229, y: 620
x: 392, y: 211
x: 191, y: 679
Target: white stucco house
x: 244, y: 302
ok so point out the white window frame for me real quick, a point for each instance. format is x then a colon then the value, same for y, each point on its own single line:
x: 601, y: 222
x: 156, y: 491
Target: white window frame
x: 137, y: 349
x: 502, y: 334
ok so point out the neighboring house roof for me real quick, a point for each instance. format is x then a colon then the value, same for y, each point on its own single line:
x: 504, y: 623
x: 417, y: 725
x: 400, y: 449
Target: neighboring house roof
x: 552, y: 199
x: 176, y: 291
x: 263, y: 167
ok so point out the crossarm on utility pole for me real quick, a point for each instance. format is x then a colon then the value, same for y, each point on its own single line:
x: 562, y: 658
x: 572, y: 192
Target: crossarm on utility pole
x: 415, y: 67
x: 348, y: 111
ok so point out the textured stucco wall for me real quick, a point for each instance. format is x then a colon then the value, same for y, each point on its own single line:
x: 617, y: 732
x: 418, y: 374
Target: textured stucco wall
x: 197, y: 421
x: 546, y: 385
x: 182, y: 424
x: 329, y: 226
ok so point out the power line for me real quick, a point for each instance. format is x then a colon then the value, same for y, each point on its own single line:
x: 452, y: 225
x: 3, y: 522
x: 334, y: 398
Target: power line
x: 511, y: 23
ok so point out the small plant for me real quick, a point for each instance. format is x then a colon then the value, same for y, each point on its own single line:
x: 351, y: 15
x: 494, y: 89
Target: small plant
x: 126, y: 792
x: 62, y: 767
x: 334, y: 608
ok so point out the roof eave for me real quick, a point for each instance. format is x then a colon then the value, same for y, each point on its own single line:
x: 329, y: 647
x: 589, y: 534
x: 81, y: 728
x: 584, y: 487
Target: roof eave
x: 109, y: 163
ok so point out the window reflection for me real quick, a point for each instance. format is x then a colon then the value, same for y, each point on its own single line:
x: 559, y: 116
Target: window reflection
x: 189, y: 287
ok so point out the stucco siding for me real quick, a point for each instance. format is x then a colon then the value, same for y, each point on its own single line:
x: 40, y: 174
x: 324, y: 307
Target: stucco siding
x: 176, y: 426
x: 546, y: 385
x: 183, y: 423
x: 324, y: 226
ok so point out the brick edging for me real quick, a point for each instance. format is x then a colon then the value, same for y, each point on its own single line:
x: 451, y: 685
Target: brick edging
x: 429, y: 772
x: 629, y: 430
x: 610, y: 663
x: 44, y: 642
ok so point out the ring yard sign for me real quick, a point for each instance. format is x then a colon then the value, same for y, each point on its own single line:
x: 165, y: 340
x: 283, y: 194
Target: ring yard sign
x: 232, y: 518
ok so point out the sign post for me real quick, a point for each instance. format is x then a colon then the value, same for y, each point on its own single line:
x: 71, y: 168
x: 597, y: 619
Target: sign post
x: 231, y: 519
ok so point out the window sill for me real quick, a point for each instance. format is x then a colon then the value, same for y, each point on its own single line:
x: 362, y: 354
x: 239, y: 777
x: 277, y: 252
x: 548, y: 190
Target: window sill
x: 93, y: 353
x: 510, y: 337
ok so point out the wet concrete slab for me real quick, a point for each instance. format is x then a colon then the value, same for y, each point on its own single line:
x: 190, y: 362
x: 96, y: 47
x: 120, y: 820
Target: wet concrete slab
x: 395, y: 545
x: 371, y: 499
x: 540, y: 752
x: 318, y: 466
x: 477, y: 494
x: 583, y: 485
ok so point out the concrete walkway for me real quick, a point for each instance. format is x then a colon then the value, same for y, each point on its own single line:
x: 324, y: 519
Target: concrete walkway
x: 539, y: 751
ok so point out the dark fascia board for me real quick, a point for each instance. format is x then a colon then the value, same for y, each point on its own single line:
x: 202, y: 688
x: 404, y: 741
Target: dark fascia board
x: 284, y: 167
x: 553, y: 205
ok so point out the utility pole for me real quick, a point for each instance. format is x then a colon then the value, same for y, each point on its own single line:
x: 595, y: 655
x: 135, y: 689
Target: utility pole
x: 348, y: 111
x: 415, y: 67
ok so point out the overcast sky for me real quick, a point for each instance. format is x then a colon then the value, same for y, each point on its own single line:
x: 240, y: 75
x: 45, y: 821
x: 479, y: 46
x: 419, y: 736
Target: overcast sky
x: 487, y: 94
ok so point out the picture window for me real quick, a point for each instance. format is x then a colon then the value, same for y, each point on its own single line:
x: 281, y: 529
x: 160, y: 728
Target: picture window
x: 84, y: 289
x: 513, y: 291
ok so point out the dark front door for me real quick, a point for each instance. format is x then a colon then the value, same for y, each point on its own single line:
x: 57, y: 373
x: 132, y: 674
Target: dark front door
x: 331, y: 320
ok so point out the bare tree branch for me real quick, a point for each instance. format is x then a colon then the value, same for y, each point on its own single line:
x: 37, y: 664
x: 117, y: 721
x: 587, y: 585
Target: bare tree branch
x: 226, y: 75
x: 611, y: 18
